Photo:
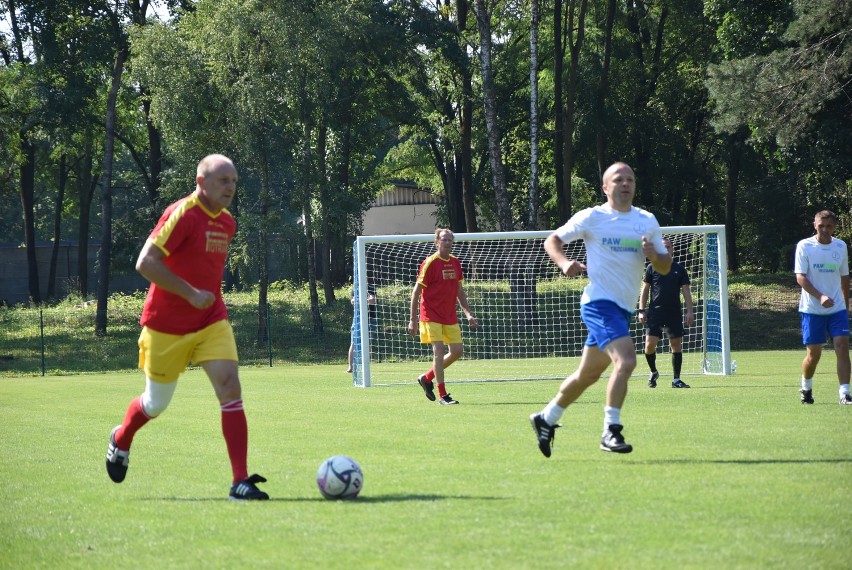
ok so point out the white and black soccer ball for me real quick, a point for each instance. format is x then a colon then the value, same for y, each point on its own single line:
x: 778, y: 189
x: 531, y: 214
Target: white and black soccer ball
x: 340, y: 477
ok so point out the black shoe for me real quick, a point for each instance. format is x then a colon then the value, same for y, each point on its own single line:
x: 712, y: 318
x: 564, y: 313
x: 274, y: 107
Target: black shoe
x: 246, y: 490
x: 116, y: 459
x: 845, y: 400
x: 652, y: 379
x: 612, y: 440
x: 427, y: 386
x: 808, y: 396
x: 678, y: 383
x: 544, y: 432
x: 446, y: 400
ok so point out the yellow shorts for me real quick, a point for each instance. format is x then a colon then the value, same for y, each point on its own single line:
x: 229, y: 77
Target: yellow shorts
x: 434, y: 332
x: 164, y: 357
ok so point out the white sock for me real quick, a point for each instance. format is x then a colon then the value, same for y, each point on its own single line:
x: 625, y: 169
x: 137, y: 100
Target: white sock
x: 808, y: 383
x: 552, y: 412
x: 844, y: 389
x: 611, y: 416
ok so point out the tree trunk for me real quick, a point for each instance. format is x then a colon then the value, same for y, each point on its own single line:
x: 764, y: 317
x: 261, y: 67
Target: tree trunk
x: 85, y: 184
x: 28, y: 204
x: 735, y: 153
x: 307, y: 181
x: 466, y: 132
x: 603, y: 92
x: 468, y: 192
x: 575, y: 44
x: 57, y: 227
x: 343, y: 245
x: 504, y: 210
x: 263, y: 237
x: 105, y: 254
x: 532, y: 214
x: 644, y: 164
x: 558, y: 134
x: 155, y: 150
x: 324, y: 244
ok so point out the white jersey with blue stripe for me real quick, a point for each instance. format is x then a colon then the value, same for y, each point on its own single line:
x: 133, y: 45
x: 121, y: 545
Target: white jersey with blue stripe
x: 823, y: 265
x: 615, y: 262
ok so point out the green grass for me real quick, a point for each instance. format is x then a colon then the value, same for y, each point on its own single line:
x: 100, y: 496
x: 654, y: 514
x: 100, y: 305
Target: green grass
x: 733, y: 473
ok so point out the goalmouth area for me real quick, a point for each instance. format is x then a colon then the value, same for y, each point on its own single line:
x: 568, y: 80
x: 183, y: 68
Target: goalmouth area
x: 530, y: 326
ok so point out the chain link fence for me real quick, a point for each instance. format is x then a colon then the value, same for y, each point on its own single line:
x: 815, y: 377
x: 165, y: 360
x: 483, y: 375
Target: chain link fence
x: 61, y: 339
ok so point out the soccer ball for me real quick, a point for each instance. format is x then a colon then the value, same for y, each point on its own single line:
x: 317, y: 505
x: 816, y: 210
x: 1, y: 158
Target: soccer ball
x: 340, y: 477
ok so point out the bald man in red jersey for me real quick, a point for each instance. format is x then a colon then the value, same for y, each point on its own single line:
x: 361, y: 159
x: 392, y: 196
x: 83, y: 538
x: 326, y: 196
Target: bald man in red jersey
x: 185, y: 320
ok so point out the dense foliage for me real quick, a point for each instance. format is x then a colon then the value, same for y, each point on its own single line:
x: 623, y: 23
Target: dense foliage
x: 730, y: 112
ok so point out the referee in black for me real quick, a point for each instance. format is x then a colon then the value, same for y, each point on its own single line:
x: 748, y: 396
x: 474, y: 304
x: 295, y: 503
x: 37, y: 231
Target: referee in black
x: 664, y: 312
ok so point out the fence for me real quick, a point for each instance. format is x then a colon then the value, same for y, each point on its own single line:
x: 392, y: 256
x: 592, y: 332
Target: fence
x: 61, y: 340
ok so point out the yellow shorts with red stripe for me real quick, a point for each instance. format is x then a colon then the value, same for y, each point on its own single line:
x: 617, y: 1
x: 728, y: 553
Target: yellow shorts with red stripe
x: 436, y: 332
x: 164, y: 356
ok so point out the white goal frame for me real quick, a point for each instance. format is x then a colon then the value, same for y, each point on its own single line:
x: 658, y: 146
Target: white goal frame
x: 395, y: 357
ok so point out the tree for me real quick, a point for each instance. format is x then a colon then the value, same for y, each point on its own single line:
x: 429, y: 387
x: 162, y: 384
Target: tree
x: 780, y: 94
x: 492, y: 126
x: 532, y: 219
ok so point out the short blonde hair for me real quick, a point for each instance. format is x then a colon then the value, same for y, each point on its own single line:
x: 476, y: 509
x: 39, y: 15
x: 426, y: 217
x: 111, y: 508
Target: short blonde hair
x: 439, y: 231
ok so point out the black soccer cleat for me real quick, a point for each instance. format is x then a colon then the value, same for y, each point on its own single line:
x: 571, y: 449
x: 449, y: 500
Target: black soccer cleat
x: 246, y: 490
x: 116, y: 459
x: 428, y: 387
x: 544, y: 433
x: 447, y: 400
x: 808, y: 396
x: 845, y: 400
x: 612, y: 440
x: 652, y: 379
x: 678, y: 383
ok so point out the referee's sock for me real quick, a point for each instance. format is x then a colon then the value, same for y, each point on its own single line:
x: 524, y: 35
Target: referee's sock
x: 652, y: 361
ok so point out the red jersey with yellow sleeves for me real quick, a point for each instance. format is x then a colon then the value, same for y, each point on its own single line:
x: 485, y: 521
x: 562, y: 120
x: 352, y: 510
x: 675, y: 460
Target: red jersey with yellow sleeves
x: 440, y: 279
x: 195, y: 242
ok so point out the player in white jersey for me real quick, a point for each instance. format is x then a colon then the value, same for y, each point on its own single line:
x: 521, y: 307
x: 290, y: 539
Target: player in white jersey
x: 822, y: 270
x: 618, y: 238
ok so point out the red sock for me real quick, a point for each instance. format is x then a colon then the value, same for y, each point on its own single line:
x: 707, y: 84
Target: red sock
x: 429, y: 376
x: 235, y: 430
x: 134, y: 419
x: 442, y: 390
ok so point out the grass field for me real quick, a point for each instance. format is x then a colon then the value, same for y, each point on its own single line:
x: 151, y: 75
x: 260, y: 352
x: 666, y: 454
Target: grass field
x: 733, y: 473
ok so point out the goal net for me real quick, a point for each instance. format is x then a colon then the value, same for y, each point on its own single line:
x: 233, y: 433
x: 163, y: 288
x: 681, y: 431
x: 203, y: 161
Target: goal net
x: 528, y: 312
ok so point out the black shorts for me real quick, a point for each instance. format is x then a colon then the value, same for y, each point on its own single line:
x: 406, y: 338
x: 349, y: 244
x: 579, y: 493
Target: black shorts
x: 669, y: 319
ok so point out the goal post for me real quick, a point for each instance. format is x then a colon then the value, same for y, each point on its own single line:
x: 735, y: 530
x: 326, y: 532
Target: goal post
x: 529, y: 313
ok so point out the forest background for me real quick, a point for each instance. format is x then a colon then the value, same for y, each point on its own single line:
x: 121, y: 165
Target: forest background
x: 731, y: 112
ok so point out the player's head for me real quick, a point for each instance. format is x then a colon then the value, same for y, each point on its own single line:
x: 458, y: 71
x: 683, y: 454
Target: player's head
x: 444, y: 239
x: 668, y: 244
x: 825, y: 222
x: 216, y: 182
x: 619, y: 185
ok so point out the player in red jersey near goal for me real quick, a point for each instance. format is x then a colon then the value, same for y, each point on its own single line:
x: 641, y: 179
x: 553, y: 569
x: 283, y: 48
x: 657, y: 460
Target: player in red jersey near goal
x: 439, y: 285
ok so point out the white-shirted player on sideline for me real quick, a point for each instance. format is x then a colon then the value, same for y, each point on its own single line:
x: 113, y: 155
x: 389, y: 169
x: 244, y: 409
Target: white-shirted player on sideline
x: 822, y: 271
x: 618, y: 238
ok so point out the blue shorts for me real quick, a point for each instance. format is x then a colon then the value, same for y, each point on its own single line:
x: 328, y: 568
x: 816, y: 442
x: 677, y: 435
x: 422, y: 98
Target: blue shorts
x: 815, y: 327
x: 606, y: 322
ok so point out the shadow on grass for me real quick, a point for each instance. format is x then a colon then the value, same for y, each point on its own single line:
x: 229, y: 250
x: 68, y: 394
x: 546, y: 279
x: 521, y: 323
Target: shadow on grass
x: 743, y: 461
x: 362, y: 499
